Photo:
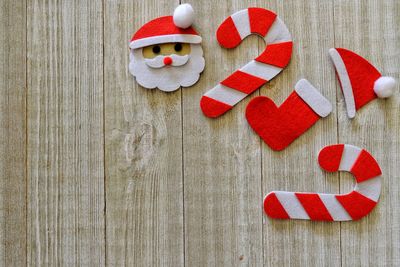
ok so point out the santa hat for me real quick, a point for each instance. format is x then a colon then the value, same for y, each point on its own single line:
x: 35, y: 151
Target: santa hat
x: 168, y: 29
x: 361, y: 82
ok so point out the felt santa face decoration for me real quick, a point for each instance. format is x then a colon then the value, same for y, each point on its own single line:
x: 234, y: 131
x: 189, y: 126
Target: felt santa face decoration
x: 166, y: 52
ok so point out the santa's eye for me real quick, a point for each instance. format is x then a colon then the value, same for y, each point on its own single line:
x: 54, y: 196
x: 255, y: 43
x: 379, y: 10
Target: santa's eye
x: 156, y: 49
x: 178, y: 47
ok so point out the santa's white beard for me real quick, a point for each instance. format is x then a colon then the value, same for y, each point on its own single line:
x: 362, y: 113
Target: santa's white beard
x: 167, y: 78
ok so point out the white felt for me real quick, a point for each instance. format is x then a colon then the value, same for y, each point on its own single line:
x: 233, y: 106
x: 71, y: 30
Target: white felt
x: 345, y: 82
x: 225, y: 95
x: 261, y: 70
x: 335, y: 209
x: 384, y: 86
x: 278, y: 33
x: 158, y: 61
x: 370, y: 188
x: 313, y: 98
x: 291, y: 205
x: 168, y: 78
x: 170, y: 38
x: 183, y: 16
x: 349, y: 157
x: 242, y: 23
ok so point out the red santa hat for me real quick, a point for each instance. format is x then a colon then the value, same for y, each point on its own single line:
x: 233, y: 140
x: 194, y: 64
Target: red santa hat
x: 361, y: 82
x: 168, y: 29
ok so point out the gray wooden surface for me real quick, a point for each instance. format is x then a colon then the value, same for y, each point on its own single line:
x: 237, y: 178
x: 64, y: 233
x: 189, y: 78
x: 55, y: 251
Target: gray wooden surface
x: 96, y: 170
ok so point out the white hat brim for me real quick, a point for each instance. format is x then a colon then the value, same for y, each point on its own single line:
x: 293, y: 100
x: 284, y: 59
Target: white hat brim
x: 171, y: 38
x: 344, y: 78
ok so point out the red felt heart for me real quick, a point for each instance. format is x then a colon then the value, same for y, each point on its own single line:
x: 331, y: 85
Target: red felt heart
x: 280, y: 126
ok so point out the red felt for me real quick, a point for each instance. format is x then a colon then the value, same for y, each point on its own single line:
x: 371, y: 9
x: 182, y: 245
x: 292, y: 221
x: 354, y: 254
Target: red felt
x: 213, y: 108
x: 273, y: 208
x: 260, y: 20
x: 362, y: 76
x: 243, y: 82
x: 227, y: 34
x: 276, y: 54
x: 160, y: 26
x: 167, y: 60
x: 279, y: 127
x: 356, y: 205
x: 314, y: 206
x: 330, y: 156
x: 365, y: 167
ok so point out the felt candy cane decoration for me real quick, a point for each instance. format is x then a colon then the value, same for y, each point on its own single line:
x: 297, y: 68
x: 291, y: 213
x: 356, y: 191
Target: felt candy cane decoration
x: 332, y: 207
x: 280, y: 126
x: 257, y: 72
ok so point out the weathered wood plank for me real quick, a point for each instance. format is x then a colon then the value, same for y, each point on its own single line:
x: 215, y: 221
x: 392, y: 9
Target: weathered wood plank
x: 303, y: 243
x: 65, y: 134
x: 180, y: 188
x: 370, y: 28
x: 222, y: 171
x: 12, y: 133
x: 144, y: 189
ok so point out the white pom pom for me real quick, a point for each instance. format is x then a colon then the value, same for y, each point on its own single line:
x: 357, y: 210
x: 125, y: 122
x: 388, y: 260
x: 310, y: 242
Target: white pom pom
x: 384, y: 86
x: 183, y: 16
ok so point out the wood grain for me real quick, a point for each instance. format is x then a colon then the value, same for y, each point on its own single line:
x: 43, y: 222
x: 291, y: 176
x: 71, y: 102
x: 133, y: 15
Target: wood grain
x: 374, y: 240
x: 65, y: 134
x: 12, y: 133
x: 143, y: 130
x: 303, y: 243
x: 96, y: 170
x: 222, y: 171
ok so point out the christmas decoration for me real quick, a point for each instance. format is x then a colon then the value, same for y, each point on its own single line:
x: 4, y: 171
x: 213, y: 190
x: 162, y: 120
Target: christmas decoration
x: 280, y: 126
x: 166, y: 52
x: 257, y: 72
x: 332, y: 207
x: 360, y: 81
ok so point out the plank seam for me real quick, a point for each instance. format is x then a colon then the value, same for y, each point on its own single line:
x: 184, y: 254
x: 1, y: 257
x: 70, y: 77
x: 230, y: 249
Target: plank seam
x: 26, y: 133
x: 104, y: 135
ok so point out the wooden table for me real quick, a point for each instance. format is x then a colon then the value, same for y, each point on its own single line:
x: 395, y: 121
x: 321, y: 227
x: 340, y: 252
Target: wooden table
x: 96, y: 170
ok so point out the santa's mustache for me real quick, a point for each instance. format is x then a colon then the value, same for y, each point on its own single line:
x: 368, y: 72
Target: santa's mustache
x: 161, y: 61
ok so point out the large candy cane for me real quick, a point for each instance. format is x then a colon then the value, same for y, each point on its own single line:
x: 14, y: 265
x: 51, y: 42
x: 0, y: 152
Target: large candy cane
x: 257, y: 72
x: 330, y: 207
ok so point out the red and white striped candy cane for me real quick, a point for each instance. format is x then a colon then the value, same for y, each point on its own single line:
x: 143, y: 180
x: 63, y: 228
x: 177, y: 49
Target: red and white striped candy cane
x: 257, y: 72
x: 332, y: 207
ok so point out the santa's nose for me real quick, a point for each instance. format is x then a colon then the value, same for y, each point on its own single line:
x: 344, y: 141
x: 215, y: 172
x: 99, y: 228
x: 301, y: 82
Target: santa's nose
x: 167, y: 60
